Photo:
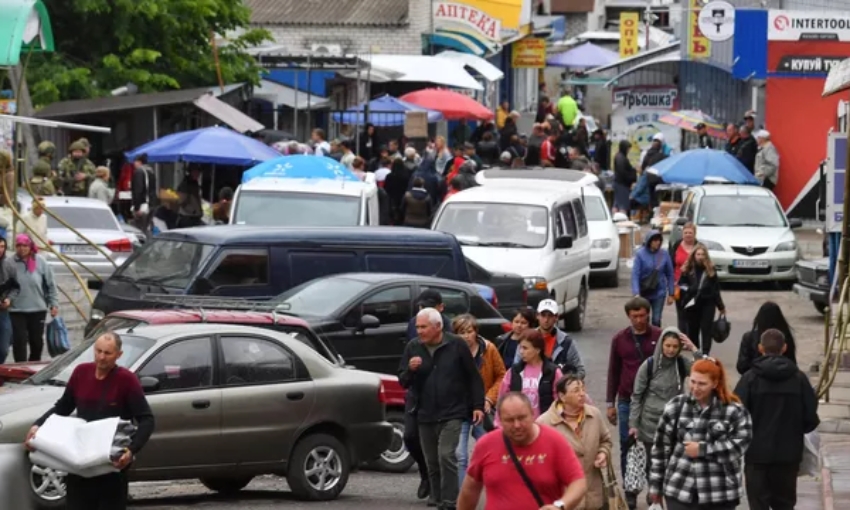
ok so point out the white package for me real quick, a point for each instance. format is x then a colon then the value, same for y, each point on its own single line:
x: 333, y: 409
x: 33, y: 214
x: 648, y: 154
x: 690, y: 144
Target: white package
x: 44, y: 460
x: 76, y: 443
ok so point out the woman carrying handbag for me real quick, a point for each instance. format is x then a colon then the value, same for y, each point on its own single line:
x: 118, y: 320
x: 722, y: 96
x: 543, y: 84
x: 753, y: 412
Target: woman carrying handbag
x: 700, y: 296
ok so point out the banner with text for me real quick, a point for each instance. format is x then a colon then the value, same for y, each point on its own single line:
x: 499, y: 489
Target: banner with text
x: 529, y: 53
x: 636, y: 113
x: 629, y: 23
x: 699, y: 47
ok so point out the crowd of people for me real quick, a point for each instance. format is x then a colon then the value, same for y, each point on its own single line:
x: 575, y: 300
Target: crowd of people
x: 542, y: 443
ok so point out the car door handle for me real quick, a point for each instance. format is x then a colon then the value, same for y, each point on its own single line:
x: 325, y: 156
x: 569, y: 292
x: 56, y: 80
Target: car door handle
x: 295, y: 395
x: 201, y: 404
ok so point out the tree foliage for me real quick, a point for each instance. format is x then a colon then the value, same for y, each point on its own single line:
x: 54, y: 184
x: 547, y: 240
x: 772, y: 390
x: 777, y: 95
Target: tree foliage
x: 154, y: 44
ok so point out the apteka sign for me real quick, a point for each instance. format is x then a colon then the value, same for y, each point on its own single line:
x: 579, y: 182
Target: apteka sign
x: 471, y: 17
x: 655, y: 98
x: 807, y: 26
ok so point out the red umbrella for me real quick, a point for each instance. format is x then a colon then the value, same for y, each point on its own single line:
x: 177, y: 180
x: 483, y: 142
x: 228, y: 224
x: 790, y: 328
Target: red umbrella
x: 453, y: 105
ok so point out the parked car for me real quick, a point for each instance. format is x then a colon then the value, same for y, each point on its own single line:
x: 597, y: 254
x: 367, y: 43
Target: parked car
x: 505, y: 291
x: 745, y: 230
x: 229, y: 383
x: 813, y: 282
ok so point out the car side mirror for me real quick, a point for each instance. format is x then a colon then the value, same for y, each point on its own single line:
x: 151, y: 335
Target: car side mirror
x: 94, y: 284
x: 563, y: 243
x: 149, y: 384
x: 795, y: 223
x: 369, y: 322
x: 681, y: 221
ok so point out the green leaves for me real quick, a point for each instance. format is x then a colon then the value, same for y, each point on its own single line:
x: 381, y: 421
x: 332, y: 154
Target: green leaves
x: 155, y: 44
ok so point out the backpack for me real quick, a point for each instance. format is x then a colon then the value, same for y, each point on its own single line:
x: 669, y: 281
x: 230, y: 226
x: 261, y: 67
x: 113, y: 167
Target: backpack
x: 680, y: 365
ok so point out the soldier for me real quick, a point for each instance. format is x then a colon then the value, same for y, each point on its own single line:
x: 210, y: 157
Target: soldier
x: 40, y: 182
x: 76, y: 171
x: 7, y: 173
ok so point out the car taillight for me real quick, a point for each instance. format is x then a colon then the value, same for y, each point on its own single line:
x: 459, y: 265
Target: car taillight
x: 495, y: 300
x: 382, y: 394
x: 120, y: 246
x: 507, y: 327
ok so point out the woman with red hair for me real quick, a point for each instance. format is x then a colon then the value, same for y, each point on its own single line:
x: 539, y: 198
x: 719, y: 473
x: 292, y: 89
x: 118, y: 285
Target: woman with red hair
x: 697, y: 457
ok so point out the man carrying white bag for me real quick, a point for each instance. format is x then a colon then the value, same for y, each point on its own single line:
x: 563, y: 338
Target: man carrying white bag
x: 105, y: 397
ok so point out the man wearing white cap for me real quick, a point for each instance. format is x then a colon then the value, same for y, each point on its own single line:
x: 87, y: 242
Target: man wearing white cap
x: 560, y: 347
x: 767, y: 160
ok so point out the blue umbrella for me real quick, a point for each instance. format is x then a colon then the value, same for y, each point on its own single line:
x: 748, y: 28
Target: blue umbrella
x: 584, y: 56
x: 384, y: 111
x: 215, y: 145
x: 300, y: 167
x: 698, y: 166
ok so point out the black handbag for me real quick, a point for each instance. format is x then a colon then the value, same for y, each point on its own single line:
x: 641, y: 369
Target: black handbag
x: 649, y: 283
x: 489, y: 422
x: 721, y: 329
x: 522, y: 472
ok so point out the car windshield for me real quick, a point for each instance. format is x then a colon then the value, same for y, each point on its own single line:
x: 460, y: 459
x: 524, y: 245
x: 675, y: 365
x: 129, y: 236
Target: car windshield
x: 320, y: 297
x: 740, y: 211
x: 166, y: 262
x: 490, y: 224
x: 595, y: 209
x: 59, y: 371
x: 277, y: 209
x: 87, y: 218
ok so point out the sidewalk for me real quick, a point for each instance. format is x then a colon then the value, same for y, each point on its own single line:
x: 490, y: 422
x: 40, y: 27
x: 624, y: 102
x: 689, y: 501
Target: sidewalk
x: 835, y: 445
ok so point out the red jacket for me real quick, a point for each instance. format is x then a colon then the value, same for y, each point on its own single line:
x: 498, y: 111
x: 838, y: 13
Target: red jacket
x: 624, y: 361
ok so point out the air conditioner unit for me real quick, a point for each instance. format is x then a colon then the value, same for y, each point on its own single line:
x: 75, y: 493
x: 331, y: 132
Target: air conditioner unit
x: 326, y: 49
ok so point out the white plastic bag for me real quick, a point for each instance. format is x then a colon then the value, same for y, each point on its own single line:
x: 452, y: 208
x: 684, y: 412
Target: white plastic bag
x: 78, y: 444
x: 811, y: 463
x: 635, y: 479
x: 42, y: 459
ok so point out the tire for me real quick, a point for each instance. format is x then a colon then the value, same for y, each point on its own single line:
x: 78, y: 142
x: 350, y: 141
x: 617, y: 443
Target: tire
x: 574, y: 320
x: 821, y: 308
x: 328, y: 457
x: 226, y: 485
x: 47, y: 488
x: 396, y: 459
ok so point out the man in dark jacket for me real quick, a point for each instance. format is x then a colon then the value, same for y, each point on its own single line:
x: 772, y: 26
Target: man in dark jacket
x: 704, y: 140
x: 438, y: 369
x: 434, y: 183
x: 733, y: 140
x: 488, y: 149
x: 747, y: 150
x: 625, y: 176
x: 784, y: 408
x: 143, y: 191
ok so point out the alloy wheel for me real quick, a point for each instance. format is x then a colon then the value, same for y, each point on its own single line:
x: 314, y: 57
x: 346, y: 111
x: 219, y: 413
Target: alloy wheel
x: 48, y: 484
x: 323, y: 468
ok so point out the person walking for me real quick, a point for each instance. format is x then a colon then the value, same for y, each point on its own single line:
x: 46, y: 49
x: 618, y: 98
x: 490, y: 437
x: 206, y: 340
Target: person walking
x: 698, y: 452
x: 769, y: 316
x: 91, y: 386
x: 144, y: 193
x: 33, y: 223
x: 652, y: 275
x: 438, y: 368
x: 417, y: 208
x: 10, y: 292
x: 625, y: 176
x: 679, y: 251
x: 37, y: 296
x: 534, y: 375
x: 523, y: 466
x: 629, y: 348
x: 700, y: 295
x: 559, y: 347
x: 524, y: 318
x: 584, y: 427
x: 784, y: 408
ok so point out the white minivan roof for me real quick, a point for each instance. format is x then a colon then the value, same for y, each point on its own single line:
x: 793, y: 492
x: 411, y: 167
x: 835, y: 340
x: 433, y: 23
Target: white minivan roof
x: 561, y: 175
x: 318, y: 186
x: 514, y: 195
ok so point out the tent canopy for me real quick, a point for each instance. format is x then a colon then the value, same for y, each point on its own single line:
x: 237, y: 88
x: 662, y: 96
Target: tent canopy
x: 384, y: 111
x: 587, y: 55
x: 215, y: 145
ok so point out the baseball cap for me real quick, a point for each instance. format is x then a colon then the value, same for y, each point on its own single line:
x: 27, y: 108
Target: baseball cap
x: 749, y: 115
x: 429, y: 298
x: 658, y: 136
x: 762, y: 133
x: 548, y: 305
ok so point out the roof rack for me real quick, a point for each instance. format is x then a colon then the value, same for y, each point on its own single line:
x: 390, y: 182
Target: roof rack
x: 216, y: 303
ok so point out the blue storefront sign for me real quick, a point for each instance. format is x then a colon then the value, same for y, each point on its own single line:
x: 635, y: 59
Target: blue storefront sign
x: 836, y: 173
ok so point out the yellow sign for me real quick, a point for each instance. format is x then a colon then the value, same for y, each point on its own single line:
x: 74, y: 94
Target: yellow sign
x: 699, y: 47
x: 484, y: 20
x: 529, y: 54
x: 629, y: 22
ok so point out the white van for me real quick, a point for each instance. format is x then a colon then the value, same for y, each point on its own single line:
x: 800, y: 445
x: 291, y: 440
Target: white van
x: 273, y: 202
x: 540, y: 234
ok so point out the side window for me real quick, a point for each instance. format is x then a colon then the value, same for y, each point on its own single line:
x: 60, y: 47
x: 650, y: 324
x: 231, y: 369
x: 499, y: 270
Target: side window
x: 438, y: 263
x: 240, y: 268
x: 581, y: 219
x: 390, y: 306
x: 559, y: 225
x: 183, y: 365
x: 568, y: 219
x: 690, y: 204
x: 255, y: 361
x: 307, y: 265
x: 456, y: 302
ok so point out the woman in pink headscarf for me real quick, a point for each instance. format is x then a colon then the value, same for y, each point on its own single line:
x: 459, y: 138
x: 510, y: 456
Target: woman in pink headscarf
x: 37, y: 295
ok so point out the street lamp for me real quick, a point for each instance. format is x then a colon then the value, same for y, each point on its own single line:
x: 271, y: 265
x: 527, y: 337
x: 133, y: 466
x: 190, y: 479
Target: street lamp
x: 24, y: 27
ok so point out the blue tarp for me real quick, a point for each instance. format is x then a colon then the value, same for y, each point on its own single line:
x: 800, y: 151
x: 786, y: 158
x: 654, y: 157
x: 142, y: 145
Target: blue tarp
x: 698, y: 166
x: 300, y: 167
x: 384, y: 111
x: 215, y: 145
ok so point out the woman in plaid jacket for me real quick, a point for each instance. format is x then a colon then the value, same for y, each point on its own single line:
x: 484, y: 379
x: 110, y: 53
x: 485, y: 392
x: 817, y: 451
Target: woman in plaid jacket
x: 697, y: 457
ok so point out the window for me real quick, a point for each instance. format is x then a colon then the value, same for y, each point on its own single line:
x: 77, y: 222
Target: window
x: 581, y: 219
x: 495, y: 224
x: 390, y: 306
x: 456, y: 302
x: 688, y: 207
x: 255, y: 361
x: 740, y: 211
x: 321, y: 296
x: 60, y: 370
x: 82, y: 217
x: 184, y: 365
x: 282, y: 209
x: 166, y: 262
x: 244, y: 267
x: 476, y: 272
x: 111, y: 324
x: 569, y: 220
x: 310, y: 340
x: 309, y: 265
x: 595, y: 209
x: 428, y: 263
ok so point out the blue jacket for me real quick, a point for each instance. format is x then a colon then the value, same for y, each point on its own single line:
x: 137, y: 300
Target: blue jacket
x: 640, y: 193
x: 646, y: 261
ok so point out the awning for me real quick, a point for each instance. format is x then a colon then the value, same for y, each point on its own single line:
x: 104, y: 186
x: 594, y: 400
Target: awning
x: 481, y: 66
x: 461, y: 42
x: 640, y: 56
x: 274, y: 92
x: 674, y: 56
x: 838, y: 79
x: 417, y: 68
x: 228, y: 114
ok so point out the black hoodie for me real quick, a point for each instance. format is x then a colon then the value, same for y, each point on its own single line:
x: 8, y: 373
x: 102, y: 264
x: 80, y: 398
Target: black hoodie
x: 783, y: 407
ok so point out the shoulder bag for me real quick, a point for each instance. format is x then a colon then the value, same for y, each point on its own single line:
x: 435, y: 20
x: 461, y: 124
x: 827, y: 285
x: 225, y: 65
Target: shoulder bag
x: 522, y: 472
x: 649, y: 283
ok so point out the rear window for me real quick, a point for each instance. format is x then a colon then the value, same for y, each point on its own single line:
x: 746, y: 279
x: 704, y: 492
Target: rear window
x: 83, y: 218
x: 276, y: 209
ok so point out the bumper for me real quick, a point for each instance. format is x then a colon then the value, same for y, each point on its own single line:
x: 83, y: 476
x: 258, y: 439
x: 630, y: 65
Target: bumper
x: 535, y: 296
x: 772, y: 266
x: 813, y: 294
x: 369, y: 440
x: 603, y: 261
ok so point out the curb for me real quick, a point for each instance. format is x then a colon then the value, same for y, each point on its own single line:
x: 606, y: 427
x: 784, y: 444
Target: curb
x: 826, y: 488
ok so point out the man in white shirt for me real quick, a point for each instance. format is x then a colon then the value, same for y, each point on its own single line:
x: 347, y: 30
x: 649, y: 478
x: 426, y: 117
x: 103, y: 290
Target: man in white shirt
x: 321, y: 147
x: 34, y: 223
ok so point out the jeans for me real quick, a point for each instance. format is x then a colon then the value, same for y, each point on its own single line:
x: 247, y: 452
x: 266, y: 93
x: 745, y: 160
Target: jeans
x: 439, y: 444
x: 27, y: 331
x: 463, y: 447
x: 107, y: 492
x: 5, y: 335
x: 623, y: 409
x: 657, y: 305
x: 700, y: 320
x: 771, y: 487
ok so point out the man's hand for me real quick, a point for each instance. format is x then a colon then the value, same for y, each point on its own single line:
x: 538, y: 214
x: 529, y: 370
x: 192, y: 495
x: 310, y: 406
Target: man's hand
x: 54, y: 311
x: 30, y: 436
x: 692, y: 449
x: 124, y: 460
x: 414, y: 363
x: 477, y: 416
x: 601, y: 460
x: 612, y: 415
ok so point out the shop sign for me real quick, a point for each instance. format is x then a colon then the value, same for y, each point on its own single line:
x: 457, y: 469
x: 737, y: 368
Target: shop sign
x: 807, y: 64
x: 469, y: 16
x: 717, y: 21
x: 636, y: 117
x: 529, y: 53
x: 807, y: 26
x: 661, y: 98
x: 699, y: 47
x: 629, y: 23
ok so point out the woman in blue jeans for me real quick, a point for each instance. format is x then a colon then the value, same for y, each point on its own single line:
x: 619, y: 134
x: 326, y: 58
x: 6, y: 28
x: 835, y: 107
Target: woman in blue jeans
x: 652, y: 275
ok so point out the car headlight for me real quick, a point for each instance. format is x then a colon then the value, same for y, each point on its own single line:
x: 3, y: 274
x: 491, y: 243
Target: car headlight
x: 97, y: 315
x: 712, y: 246
x: 786, y: 246
x: 601, y: 244
x: 822, y: 280
x: 536, y: 283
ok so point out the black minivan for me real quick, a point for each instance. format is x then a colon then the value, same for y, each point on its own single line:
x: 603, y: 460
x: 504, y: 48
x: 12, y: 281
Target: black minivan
x: 263, y: 262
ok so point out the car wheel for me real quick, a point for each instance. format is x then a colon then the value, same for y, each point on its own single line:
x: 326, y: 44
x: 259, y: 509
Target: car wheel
x: 821, y: 308
x: 574, y: 321
x: 396, y: 458
x: 47, y: 487
x: 226, y: 485
x: 319, y: 468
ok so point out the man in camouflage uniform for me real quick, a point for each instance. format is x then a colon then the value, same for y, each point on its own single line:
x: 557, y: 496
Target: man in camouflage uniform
x: 76, y: 171
x: 40, y: 181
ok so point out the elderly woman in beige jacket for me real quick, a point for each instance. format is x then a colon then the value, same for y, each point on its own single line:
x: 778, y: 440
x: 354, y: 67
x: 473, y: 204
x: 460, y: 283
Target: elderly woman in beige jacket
x: 767, y: 161
x: 586, y: 428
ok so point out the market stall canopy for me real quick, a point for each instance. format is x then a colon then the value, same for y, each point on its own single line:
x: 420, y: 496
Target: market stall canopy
x: 383, y: 111
x: 698, y: 166
x: 214, y: 145
x: 453, y: 105
x: 481, y: 66
x: 585, y: 56
x: 838, y: 78
x: 416, y: 68
x: 300, y: 167
x: 689, y: 119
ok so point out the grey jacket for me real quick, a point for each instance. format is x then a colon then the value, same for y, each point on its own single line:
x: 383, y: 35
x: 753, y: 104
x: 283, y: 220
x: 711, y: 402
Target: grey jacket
x: 38, y: 289
x: 650, y: 397
x: 7, y: 272
x: 767, y: 163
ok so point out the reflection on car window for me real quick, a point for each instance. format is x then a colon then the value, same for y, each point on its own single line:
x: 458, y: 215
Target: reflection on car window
x: 184, y: 365
x: 166, y: 262
x: 525, y: 225
x: 61, y: 368
x: 740, y: 210
x: 243, y: 267
x: 456, y: 302
x: 82, y: 217
x: 320, y: 297
x: 390, y: 306
x: 253, y: 361
x: 279, y: 209
x: 595, y: 209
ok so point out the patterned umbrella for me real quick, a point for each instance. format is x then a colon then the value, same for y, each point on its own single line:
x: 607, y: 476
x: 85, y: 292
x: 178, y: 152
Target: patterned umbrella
x: 688, y: 119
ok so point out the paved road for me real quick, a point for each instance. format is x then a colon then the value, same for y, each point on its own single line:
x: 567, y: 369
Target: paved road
x: 373, y: 491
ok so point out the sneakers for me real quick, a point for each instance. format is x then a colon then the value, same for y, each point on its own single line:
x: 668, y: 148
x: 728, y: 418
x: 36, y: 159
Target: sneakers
x: 631, y: 500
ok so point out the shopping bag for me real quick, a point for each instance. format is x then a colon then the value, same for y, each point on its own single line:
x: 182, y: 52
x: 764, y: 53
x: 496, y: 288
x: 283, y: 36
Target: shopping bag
x: 635, y: 479
x: 811, y: 463
x: 57, y: 337
x: 613, y: 493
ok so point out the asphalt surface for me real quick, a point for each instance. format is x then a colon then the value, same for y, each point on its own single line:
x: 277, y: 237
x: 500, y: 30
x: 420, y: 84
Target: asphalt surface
x: 374, y: 491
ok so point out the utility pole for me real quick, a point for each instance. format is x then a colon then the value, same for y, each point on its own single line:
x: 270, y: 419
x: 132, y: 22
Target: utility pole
x: 648, y: 19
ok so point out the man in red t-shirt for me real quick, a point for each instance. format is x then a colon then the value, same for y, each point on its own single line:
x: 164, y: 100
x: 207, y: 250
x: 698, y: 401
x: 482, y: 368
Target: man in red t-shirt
x: 544, y: 454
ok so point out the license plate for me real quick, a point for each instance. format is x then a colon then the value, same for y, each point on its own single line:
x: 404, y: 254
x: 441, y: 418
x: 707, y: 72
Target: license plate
x: 78, y: 249
x: 751, y: 263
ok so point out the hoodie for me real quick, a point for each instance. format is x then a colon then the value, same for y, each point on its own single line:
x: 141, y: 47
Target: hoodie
x: 783, y: 407
x: 651, y: 395
x: 645, y: 262
x: 433, y: 182
x: 624, y: 172
x: 416, y: 208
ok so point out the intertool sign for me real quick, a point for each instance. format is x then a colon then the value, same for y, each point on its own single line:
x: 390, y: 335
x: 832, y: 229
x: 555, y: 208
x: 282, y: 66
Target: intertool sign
x: 807, y: 26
